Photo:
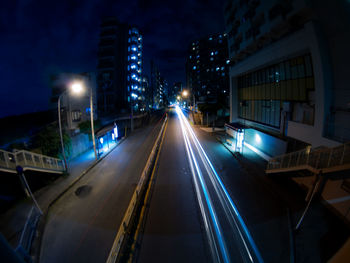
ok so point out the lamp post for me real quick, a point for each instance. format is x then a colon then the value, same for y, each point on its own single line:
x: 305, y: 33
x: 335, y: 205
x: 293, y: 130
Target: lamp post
x: 185, y: 95
x: 60, y: 128
x: 77, y: 88
x: 92, y: 123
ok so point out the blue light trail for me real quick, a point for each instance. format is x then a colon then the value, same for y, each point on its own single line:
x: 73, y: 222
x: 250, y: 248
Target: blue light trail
x: 233, y: 216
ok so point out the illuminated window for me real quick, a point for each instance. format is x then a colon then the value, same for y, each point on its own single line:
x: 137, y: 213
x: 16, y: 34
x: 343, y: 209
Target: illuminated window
x: 76, y: 115
x: 133, y: 57
x: 133, y: 66
x: 194, y: 67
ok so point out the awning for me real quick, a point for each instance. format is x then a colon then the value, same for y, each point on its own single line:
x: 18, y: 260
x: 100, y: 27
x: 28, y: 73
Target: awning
x: 237, y: 126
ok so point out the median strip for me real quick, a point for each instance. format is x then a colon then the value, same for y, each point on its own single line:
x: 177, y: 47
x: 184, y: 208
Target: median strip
x: 136, y: 198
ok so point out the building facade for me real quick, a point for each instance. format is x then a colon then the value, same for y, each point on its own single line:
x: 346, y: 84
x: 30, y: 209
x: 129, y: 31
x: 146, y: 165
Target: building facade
x: 157, y: 88
x: 119, y: 67
x: 287, y: 65
x: 207, y: 68
x: 147, y: 94
x: 175, y: 91
x: 75, y: 108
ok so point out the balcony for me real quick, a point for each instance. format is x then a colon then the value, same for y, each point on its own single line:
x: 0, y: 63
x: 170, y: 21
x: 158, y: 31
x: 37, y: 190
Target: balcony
x: 107, y: 42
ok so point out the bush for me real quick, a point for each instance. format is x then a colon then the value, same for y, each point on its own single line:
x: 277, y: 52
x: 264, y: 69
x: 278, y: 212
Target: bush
x: 48, y: 140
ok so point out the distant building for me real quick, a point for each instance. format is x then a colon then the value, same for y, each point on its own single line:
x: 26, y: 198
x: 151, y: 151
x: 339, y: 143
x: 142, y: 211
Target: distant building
x: 288, y: 68
x: 119, y: 67
x: 75, y: 109
x: 157, y: 87
x: 207, y: 68
x: 146, y: 93
x: 175, y: 91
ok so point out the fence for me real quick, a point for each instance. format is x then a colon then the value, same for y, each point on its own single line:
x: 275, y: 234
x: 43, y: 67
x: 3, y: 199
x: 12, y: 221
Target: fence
x: 327, y: 160
x: 28, y: 233
x: 29, y: 161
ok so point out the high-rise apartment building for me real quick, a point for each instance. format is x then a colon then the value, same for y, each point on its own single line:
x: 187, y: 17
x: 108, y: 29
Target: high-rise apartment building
x: 174, y: 91
x: 119, y: 67
x: 288, y: 64
x: 158, y: 85
x: 147, y: 94
x: 207, y: 67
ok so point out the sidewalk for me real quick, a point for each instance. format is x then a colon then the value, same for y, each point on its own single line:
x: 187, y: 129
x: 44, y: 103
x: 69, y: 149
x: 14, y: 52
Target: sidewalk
x: 12, y: 222
x: 321, y: 234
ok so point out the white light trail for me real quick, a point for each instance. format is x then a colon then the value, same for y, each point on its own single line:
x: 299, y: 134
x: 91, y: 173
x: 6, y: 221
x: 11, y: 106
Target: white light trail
x: 229, y: 207
x: 213, y: 216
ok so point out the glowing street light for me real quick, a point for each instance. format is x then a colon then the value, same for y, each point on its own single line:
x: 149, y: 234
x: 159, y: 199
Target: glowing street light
x: 76, y: 88
x: 185, y: 93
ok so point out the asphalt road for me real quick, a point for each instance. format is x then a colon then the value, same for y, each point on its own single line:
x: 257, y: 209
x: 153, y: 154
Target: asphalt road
x: 174, y: 228
x: 82, y: 225
x: 173, y: 231
x: 261, y: 207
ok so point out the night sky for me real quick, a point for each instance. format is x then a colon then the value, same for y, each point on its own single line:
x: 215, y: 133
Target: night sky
x: 40, y: 38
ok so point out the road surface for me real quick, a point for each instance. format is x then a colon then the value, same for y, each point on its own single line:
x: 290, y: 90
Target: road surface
x: 206, y: 208
x: 82, y: 225
x: 173, y: 230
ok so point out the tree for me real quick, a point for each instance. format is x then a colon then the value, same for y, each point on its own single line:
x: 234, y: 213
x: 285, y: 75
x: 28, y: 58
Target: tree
x: 48, y: 140
x: 85, y: 127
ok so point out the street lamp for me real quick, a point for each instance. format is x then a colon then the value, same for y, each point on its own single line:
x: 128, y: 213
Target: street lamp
x: 76, y: 88
x: 185, y: 94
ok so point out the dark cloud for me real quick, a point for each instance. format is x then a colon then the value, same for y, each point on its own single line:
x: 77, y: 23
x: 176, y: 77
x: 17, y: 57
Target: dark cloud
x: 39, y: 38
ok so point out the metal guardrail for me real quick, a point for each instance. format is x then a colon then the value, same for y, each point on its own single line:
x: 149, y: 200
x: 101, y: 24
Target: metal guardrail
x: 122, y: 232
x: 28, y: 233
x: 316, y: 160
x: 29, y: 161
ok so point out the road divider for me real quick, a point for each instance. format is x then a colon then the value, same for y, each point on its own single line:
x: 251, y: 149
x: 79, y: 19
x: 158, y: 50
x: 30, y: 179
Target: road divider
x: 137, y: 199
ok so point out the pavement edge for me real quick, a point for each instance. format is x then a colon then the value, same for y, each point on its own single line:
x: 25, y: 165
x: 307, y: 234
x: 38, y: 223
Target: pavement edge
x: 36, y: 246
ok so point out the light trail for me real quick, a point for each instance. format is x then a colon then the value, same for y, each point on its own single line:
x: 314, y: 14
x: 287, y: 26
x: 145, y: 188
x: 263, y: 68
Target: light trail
x: 233, y: 216
x: 206, y: 219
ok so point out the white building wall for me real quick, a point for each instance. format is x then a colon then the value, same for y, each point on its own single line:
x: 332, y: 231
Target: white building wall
x: 303, y: 41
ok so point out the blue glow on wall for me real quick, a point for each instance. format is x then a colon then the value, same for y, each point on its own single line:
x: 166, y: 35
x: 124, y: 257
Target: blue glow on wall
x: 115, y: 130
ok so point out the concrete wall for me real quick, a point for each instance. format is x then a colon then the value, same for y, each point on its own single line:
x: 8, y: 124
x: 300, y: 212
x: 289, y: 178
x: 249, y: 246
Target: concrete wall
x: 333, y: 194
x: 305, y: 40
x: 80, y: 144
x: 268, y: 144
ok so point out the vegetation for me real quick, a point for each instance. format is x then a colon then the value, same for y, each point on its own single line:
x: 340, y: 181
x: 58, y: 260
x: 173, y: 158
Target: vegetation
x: 85, y: 127
x: 48, y: 140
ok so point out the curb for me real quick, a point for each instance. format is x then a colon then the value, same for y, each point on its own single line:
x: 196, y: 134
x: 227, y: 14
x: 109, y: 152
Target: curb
x: 82, y: 174
x: 36, y: 247
x: 124, y: 229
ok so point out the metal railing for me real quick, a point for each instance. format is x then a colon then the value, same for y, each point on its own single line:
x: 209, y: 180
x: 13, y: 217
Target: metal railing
x: 29, y: 161
x: 28, y: 233
x: 316, y: 160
